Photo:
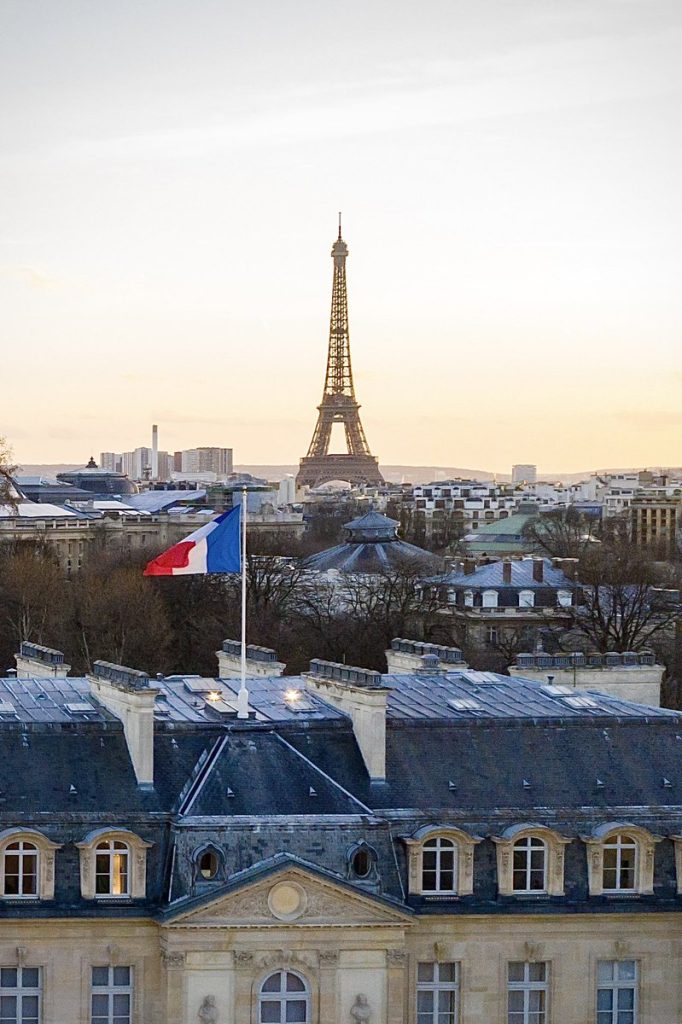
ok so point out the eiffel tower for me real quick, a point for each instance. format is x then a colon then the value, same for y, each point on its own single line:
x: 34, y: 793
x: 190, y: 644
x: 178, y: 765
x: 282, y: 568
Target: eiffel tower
x: 339, y: 405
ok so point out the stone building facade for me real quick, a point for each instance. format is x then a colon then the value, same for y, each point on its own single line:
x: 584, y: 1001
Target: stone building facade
x: 361, y: 848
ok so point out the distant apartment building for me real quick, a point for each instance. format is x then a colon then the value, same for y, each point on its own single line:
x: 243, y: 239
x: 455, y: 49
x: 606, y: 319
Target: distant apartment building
x: 474, y: 503
x: 524, y: 473
x: 111, y: 461
x: 208, y: 460
x: 655, y: 521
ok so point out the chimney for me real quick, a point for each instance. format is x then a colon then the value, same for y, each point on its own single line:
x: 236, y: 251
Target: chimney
x: 36, y: 660
x: 126, y: 693
x: 469, y: 566
x: 539, y: 570
x: 506, y: 572
x: 360, y: 695
x: 155, y: 452
x: 260, y: 661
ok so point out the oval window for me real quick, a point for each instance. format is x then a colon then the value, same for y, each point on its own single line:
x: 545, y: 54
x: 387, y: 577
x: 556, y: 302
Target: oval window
x: 361, y: 862
x: 208, y: 864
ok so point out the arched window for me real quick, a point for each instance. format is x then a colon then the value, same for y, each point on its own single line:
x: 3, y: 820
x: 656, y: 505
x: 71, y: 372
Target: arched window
x: 529, y: 868
x: 439, y: 866
x: 620, y: 863
x: 111, y: 868
x: 284, y: 999
x: 489, y: 599
x: 362, y: 860
x: 526, y: 599
x: 564, y: 598
x: 20, y: 869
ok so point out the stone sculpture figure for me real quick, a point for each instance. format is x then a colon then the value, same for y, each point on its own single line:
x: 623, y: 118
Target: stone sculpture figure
x: 360, y: 1011
x: 208, y: 1011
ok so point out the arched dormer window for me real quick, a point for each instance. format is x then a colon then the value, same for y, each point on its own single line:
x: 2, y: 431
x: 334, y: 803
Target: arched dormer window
x: 441, y: 861
x: 530, y: 861
x: 208, y: 864
x: 489, y: 599
x: 564, y: 598
x: 468, y: 599
x: 620, y: 859
x: 526, y: 599
x: 284, y: 997
x: 113, y: 865
x: 26, y: 865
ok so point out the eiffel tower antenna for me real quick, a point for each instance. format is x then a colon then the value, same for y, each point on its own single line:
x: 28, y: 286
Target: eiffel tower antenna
x: 338, y: 405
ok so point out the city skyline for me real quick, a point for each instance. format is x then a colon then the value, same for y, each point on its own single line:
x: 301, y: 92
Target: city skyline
x: 508, y: 185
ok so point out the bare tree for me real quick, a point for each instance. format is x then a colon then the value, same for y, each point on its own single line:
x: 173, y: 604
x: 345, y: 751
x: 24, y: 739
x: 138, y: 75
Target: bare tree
x: 7, y: 470
x: 563, y: 533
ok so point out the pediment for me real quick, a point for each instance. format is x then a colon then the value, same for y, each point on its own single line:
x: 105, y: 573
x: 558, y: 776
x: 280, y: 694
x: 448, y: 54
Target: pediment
x: 291, y: 896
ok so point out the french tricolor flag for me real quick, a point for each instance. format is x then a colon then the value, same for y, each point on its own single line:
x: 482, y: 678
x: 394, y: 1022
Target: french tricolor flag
x: 213, y: 548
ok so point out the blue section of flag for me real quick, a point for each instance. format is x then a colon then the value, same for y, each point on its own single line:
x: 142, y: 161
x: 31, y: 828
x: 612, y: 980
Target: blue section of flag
x: 223, y: 543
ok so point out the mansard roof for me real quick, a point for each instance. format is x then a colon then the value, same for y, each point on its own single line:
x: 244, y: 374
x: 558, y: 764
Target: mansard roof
x: 522, y: 578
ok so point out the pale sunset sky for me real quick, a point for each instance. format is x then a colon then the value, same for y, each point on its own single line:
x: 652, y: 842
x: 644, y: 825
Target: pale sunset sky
x: 510, y: 178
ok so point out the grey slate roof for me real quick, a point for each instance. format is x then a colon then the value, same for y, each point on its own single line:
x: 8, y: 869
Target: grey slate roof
x: 521, y: 577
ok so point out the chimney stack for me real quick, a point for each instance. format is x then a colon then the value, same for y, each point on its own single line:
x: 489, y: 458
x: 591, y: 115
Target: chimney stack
x: 359, y: 693
x: 539, y: 570
x: 127, y: 694
x: 506, y: 572
x: 469, y: 566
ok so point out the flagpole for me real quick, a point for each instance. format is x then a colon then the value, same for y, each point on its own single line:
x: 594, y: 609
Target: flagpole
x: 243, y: 697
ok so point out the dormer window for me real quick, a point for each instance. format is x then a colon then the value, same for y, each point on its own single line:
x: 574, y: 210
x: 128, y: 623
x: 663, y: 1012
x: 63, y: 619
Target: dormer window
x: 26, y: 865
x: 362, y: 862
x: 441, y: 861
x: 530, y: 861
x: 564, y: 598
x: 526, y: 599
x: 489, y: 599
x: 113, y: 865
x: 468, y: 599
x: 208, y: 864
x: 620, y: 860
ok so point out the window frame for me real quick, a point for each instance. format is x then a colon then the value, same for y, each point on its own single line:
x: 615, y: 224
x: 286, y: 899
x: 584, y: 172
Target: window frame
x: 524, y: 844
x: 282, y: 997
x: 440, y: 845
x: 20, y: 991
x: 435, y: 987
x: 110, y: 990
x: 614, y: 986
x: 618, y: 843
x: 527, y: 987
x: 112, y: 851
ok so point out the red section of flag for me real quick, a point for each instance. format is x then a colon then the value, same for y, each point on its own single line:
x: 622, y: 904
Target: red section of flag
x: 176, y: 557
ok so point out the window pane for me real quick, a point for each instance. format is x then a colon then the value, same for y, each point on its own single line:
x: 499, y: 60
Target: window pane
x: 270, y: 1012
x: 516, y: 1001
x: 627, y: 970
x: 296, y: 1011
x: 30, y: 977
x: 29, y: 1006
x: 425, y: 972
x: 446, y: 1002
x: 605, y: 999
x: 536, y: 1000
x: 605, y: 970
x: 8, y: 1007
x: 425, y: 1002
x: 294, y: 983
x: 100, y: 975
x: 429, y: 881
x: 447, y: 972
x: 121, y: 975
x: 273, y: 983
x: 626, y: 999
x: 8, y: 977
x: 537, y: 972
x: 100, y: 1005
x: 121, y: 1004
x: 516, y: 970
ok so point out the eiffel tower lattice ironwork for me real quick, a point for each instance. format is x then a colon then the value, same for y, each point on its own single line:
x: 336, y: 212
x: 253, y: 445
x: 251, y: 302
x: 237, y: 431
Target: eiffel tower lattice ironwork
x: 339, y: 405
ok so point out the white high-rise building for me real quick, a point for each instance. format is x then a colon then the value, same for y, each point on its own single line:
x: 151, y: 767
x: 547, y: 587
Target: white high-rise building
x: 524, y: 473
x: 209, y: 460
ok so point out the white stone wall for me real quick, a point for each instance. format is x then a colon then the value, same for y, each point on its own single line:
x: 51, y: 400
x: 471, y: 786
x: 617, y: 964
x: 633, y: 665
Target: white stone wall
x: 638, y: 683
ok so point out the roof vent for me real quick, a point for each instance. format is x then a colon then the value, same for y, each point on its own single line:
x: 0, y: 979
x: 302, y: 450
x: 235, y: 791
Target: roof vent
x: 580, y: 702
x: 667, y: 784
x: 451, y: 785
x: 464, y: 704
x: 7, y: 708
x: 526, y: 784
x: 79, y: 708
x: 312, y: 792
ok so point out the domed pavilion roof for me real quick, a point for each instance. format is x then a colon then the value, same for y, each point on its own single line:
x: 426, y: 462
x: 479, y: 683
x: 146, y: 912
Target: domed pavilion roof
x: 373, y: 546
